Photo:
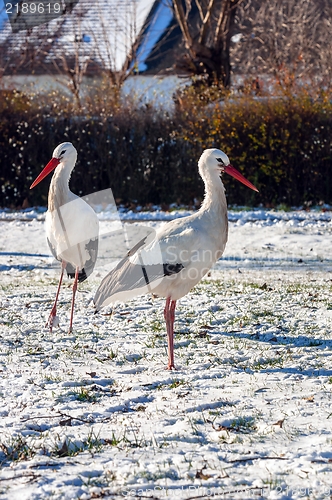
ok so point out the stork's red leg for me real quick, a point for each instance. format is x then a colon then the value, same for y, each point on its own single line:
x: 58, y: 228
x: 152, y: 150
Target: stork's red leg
x: 53, y: 310
x: 73, y: 301
x: 169, y: 315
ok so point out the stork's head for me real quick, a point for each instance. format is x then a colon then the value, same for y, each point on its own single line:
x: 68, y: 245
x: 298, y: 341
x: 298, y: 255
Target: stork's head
x: 216, y: 162
x: 64, y: 154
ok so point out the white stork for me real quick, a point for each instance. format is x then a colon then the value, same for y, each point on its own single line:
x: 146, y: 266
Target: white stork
x: 181, y: 252
x: 71, y: 224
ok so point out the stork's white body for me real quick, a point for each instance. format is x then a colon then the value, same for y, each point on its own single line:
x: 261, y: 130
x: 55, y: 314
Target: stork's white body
x: 71, y: 224
x: 195, y: 242
x: 181, y: 252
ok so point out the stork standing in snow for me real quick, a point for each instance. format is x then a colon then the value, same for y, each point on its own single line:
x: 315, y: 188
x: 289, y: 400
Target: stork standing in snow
x: 71, y: 225
x: 181, y: 252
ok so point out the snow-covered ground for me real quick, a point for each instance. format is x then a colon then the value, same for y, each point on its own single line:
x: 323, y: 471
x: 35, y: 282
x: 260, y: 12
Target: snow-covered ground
x: 248, y: 412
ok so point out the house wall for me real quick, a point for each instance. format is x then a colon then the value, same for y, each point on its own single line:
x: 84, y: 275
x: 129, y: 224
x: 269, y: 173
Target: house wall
x: 157, y: 91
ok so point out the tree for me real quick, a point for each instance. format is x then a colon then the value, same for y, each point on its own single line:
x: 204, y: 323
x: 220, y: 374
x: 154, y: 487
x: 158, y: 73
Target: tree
x: 207, y: 26
x: 289, y: 39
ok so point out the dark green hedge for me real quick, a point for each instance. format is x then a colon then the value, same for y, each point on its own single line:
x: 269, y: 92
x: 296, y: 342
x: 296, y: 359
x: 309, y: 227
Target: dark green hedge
x: 282, y: 145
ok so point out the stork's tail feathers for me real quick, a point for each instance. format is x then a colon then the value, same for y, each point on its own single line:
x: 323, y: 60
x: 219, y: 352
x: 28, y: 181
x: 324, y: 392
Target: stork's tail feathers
x: 128, y: 280
x: 82, y: 276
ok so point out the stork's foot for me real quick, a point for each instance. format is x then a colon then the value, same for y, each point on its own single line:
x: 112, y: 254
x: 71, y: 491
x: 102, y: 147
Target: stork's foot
x: 53, y: 320
x: 171, y: 366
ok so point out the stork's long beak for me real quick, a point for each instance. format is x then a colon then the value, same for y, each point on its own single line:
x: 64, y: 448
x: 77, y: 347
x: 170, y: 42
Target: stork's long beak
x: 47, y: 170
x: 236, y: 174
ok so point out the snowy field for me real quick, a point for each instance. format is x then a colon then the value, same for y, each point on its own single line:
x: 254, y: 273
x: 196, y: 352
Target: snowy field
x: 247, y: 414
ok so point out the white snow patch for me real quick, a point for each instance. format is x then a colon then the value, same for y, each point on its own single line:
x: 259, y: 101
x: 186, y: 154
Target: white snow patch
x: 247, y: 414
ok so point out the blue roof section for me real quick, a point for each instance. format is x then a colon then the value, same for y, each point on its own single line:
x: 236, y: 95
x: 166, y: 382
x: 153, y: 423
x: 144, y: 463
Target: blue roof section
x: 161, y: 19
x: 3, y: 14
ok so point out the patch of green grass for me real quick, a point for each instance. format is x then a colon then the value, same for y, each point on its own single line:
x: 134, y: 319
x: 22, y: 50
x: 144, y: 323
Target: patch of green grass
x: 114, y: 440
x: 266, y: 313
x: 8, y: 318
x: 32, y: 351
x: 112, y: 354
x: 154, y: 341
x: 173, y: 385
x: 157, y: 326
x: 17, y: 449
x: 243, y: 424
x: 51, y: 378
x: 155, y: 476
x: 296, y: 288
x: 269, y: 362
x: 85, y: 395
x: 70, y: 448
x: 176, y: 383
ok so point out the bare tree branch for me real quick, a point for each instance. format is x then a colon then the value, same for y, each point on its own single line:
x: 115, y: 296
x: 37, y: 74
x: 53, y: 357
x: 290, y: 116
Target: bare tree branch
x: 207, y: 38
x: 200, y: 10
x: 206, y: 23
x: 289, y: 39
x: 183, y: 23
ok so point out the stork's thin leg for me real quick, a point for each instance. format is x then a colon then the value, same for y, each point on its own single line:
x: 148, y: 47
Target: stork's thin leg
x: 166, y: 316
x: 53, y: 311
x: 73, y: 301
x: 169, y: 315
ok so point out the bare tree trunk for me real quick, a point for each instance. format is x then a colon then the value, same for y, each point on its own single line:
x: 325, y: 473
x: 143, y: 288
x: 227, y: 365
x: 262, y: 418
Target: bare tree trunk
x: 208, y: 48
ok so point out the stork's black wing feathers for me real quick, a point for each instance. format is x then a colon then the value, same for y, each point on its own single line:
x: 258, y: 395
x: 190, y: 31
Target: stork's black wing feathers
x: 92, y: 249
x: 172, y: 269
x: 82, y: 276
x: 127, y: 276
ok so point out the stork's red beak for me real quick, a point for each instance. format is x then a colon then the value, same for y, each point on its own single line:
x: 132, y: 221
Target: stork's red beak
x: 47, y: 170
x: 236, y: 174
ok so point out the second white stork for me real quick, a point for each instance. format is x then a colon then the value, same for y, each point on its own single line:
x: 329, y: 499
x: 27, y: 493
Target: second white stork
x: 181, y: 252
x: 71, y: 224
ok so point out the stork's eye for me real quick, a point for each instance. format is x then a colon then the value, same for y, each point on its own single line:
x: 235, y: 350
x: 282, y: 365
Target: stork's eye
x: 220, y: 161
x: 63, y: 152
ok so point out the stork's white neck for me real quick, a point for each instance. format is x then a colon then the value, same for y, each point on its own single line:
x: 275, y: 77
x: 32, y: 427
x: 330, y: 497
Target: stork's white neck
x: 59, y: 193
x: 214, y: 198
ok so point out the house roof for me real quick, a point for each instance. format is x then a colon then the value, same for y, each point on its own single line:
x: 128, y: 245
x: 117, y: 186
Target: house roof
x: 97, y: 34
x: 158, y: 26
